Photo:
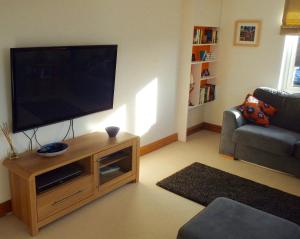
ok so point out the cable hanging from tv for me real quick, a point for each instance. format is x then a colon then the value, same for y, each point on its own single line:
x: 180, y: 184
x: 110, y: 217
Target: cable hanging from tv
x: 31, y: 138
x: 71, y: 127
x: 35, y: 137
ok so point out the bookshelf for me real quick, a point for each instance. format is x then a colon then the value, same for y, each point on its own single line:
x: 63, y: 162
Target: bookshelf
x: 203, y: 66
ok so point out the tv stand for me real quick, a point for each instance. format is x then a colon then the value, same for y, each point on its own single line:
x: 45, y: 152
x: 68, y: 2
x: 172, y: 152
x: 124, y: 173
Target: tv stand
x: 107, y: 164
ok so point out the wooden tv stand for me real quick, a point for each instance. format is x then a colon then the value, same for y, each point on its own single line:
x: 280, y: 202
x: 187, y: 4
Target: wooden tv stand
x: 92, y: 152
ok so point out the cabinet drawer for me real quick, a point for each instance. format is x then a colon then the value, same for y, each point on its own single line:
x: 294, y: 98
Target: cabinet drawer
x: 64, y: 196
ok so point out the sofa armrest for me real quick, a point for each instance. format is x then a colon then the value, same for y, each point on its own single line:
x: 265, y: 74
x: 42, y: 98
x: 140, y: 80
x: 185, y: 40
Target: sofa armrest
x: 232, y: 119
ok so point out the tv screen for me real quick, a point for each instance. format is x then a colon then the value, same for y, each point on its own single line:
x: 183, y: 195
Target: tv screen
x: 53, y: 84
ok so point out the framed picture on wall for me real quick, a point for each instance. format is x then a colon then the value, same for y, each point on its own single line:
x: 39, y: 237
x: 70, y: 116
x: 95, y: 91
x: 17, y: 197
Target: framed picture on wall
x: 247, y: 33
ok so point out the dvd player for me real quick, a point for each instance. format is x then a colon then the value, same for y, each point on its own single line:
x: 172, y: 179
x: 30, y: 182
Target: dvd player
x: 57, y: 176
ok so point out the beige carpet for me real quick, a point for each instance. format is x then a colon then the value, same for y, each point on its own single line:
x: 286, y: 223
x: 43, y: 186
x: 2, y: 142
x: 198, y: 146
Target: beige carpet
x: 144, y: 210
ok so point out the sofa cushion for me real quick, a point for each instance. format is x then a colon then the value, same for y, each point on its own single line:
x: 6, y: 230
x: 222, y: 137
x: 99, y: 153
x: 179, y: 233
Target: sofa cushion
x: 225, y: 218
x: 297, y: 150
x: 288, y: 105
x: 270, y: 96
x: 272, y: 139
x: 290, y: 113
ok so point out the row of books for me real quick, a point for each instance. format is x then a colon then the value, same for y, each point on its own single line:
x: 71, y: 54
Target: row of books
x: 205, y: 36
x: 207, y: 93
x: 207, y: 56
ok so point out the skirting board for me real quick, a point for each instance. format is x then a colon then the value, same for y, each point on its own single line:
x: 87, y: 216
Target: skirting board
x: 194, y: 129
x: 212, y: 127
x: 174, y: 137
x: 158, y: 144
x: 6, y: 206
x: 204, y: 126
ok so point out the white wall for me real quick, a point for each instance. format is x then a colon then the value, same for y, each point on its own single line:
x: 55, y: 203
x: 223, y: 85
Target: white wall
x: 147, y: 33
x: 195, y: 116
x: 242, y: 69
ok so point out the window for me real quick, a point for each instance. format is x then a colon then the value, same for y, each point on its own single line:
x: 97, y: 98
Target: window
x: 290, y: 78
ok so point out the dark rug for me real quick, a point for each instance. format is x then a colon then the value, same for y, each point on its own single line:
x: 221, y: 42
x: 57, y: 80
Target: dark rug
x: 202, y: 184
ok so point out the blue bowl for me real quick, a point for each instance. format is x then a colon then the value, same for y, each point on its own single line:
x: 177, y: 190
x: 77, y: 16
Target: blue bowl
x: 52, y: 150
x: 112, y: 131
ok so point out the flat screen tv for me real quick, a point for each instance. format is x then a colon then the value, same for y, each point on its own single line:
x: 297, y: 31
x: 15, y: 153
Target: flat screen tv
x: 54, y: 84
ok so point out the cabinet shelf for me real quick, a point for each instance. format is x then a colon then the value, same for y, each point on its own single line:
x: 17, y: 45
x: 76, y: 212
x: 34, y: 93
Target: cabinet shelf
x: 205, y: 44
x: 107, y: 162
x: 202, y: 62
x: 115, y: 164
x: 61, y: 185
x: 199, y: 105
x: 208, y: 77
x: 109, y: 177
x: 195, y: 106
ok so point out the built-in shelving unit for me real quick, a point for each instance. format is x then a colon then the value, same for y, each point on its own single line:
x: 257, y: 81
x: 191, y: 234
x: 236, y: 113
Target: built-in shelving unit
x: 203, y: 66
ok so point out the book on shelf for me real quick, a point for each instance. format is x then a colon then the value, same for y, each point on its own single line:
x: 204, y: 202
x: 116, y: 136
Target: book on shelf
x: 214, y: 36
x: 205, y: 36
x: 202, y: 96
x: 197, y: 36
x: 212, y: 89
x: 208, y: 36
x: 207, y: 93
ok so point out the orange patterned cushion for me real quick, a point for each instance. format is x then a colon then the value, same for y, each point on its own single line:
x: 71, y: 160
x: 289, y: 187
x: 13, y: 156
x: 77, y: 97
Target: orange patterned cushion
x: 253, y: 113
x: 267, y: 109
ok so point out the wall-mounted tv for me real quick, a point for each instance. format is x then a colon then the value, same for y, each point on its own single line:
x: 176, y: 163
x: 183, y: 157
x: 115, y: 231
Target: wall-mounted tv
x: 54, y: 84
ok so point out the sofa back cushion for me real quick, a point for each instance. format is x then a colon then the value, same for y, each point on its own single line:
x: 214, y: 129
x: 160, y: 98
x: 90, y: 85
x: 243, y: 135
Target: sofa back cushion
x: 288, y: 105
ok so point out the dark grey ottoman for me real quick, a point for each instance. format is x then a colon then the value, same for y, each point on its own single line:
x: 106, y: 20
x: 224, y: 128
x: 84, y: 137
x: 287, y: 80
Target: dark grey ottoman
x: 228, y: 219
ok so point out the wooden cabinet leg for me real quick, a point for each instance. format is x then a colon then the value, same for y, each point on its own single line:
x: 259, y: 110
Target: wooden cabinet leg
x: 33, y: 230
x: 135, y: 181
x: 31, y: 195
x: 137, y: 177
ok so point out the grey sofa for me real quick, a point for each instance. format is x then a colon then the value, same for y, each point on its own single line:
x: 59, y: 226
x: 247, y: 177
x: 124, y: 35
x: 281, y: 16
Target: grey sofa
x: 277, y: 146
x: 225, y: 218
